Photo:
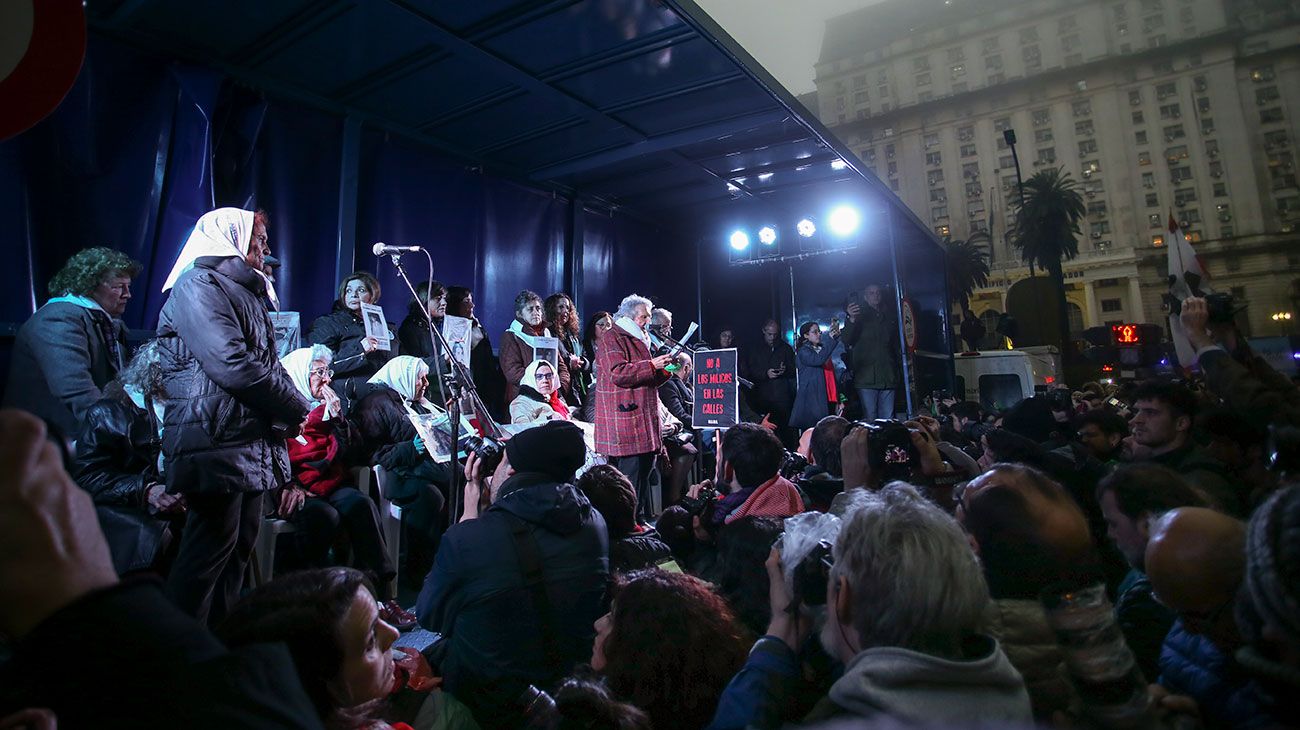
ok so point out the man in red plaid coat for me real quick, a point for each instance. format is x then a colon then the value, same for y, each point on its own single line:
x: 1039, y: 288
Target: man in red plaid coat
x: 627, y: 396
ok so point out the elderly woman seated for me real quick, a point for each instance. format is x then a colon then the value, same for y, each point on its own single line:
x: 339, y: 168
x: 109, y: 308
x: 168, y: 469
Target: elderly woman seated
x: 322, y: 499
x: 539, y: 396
x: 117, y: 462
x: 412, y: 480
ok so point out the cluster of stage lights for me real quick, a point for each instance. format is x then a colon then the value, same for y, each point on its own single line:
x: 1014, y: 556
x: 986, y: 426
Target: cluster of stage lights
x: 842, y: 222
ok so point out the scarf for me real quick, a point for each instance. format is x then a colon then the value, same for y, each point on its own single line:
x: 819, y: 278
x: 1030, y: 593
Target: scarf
x: 224, y: 232
x: 630, y: 327
x: 776, y: 497
x: 103, y: 323
x: 528, y: 335
x: 529, y: 382
x: 298, y: 364
x: 400, y: 374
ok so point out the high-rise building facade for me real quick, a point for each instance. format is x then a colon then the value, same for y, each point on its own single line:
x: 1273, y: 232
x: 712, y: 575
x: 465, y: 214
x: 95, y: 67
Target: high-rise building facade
x: 1154, y: 107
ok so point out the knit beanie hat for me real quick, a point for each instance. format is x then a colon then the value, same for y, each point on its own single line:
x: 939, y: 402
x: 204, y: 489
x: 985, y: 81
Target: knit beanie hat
x: 555, y: 449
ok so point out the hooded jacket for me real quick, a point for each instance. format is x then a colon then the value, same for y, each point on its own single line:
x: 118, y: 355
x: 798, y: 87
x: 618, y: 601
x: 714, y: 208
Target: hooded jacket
x: 881, y: 682
x: 477, y: 598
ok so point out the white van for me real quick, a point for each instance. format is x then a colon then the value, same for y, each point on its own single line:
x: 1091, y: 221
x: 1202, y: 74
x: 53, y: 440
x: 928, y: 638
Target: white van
x: 999, y: 379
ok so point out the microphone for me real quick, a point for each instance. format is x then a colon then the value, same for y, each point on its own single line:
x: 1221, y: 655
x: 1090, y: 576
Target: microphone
x: 383, y: 249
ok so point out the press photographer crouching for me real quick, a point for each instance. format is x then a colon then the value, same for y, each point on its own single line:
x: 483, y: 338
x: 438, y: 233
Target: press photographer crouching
x: 904, y: 597
x: 517, y: 585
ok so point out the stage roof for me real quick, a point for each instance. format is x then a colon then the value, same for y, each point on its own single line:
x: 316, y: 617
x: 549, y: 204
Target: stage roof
x: 642, y: 106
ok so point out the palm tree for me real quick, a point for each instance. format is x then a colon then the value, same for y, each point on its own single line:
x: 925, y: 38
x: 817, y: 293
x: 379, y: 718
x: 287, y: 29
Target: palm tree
x: 1046, y: 232
x: 968, y: 267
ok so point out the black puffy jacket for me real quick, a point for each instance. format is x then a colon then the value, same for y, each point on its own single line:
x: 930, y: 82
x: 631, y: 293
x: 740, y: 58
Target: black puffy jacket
x: 117, y: 450
x: 229, y: 403
x: 385, y: 429
x: 634, y: 552
x: 342, y: 332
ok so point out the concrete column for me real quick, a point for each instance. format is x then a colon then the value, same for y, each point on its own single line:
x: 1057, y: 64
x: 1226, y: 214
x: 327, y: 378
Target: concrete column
x: 1090, y: 298
x: 1135, y: 307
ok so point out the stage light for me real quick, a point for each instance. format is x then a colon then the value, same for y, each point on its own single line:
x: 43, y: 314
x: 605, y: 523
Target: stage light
x: 767, y: 235
x: 806, y: 228
x: 844, y: 220
x: 739, y: 241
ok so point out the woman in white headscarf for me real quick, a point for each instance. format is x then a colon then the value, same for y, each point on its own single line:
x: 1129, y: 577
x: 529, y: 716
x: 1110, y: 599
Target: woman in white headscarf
x: 539, y: 396
x: 322, y: 499
x: 229, y: 405
x: 412, y: 479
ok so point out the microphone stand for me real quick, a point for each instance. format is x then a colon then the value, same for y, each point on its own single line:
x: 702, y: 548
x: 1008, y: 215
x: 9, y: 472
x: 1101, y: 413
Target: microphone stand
x: 460, y: 383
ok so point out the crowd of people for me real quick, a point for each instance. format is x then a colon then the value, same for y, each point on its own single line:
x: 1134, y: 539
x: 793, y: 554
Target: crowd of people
x: 1121, y: 556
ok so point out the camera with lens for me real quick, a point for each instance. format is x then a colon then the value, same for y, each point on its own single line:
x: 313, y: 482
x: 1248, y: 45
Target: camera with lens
x: 812, y: 574
x: 793, y: 464
x: 697, y: 506
x: 890, y: 452
x: 488, y: 450
x: 1220, y: 307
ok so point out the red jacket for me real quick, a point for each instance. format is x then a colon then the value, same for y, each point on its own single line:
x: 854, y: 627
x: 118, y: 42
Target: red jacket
x: 316, y: 465
x: 627, y: 396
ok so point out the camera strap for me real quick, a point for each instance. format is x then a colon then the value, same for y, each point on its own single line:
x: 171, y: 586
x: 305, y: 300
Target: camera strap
x: 530, y: 564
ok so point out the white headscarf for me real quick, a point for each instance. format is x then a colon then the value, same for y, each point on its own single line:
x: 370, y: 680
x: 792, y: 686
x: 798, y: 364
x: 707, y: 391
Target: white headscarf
x: 298, y: 364
x: 400, y: 374
x: 223, y: 232
x: 530, y: 375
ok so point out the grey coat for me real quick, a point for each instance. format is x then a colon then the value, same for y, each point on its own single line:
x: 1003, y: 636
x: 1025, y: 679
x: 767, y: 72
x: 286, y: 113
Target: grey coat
x: 61, y: 363
x: 229, y: 402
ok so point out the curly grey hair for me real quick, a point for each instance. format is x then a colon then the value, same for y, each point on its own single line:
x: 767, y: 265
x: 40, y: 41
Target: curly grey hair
x: 629, y: 305
x: 916, y: 582
x: 145, y: 370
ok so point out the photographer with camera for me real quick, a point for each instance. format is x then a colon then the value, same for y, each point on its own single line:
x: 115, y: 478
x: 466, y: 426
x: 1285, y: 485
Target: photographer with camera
x: 517, y: 585
x: 1245, y: 381
x: 903, y: 599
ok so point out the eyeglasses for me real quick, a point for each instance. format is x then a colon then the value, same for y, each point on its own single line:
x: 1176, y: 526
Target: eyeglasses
x: 545, y: 376
x: 322, y: 372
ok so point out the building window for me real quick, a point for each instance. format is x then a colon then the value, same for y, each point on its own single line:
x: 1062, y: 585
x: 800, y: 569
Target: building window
x: 938, y: 195
x: 968, y: 150
x: 939, y: 212
x: 1121, y: 12
x: 1158, y: 240
x: 1266, y: 95
x: 1260, y: 74
x: 1183, y: 196
x: 958, y: 70
x: 1134, y: 97
x: 1090, y: 167
x: 1067, y: 23
x: 892, y: 169
x: 1140, y: 136
x: 1144, y: 158
x: 923, y: 79
x: 1032, y: 57
x: 1207, y: 125
x: 1029, y: 35
x: 1081, y: 108
x: 1211, y: 148
x: 1164, y: 91
x: 1179, y: 174
x: 1097, y: 208
x: 1203, y: 104
x: 1001, y: 124
x: 965, y: 134
x: 1153, y: 220
x: 993, y: 64
x: 882, y: 91
x: 921, y: 63
x: 974, y: 190
x: 933, y: 159
x: 1043, y: 135
x: 1006, y: 162
x: 1112, y: 305
x: 956, y: 54
x: 1173, y: 132
x: 1153, y: 201
x: 1087, y: 147
x: 970, y: 170
x: 1149, y: 180
x: 860, y: 82
x: 1084, y: 128
x: 930, y: 139
x: 943, y: 231
x: 1176, y: 153
x: 1153, y: 23
x: 992, y: 44
x: 1270, y: 116
x: 1275, y: 140
x: 1220, y: 190
x: 1041, y: 117
x: 934, y: 177
x: 1070, y: 43
x: 1047, y: 156
x: 1170, y: 111
x: 889, y: 148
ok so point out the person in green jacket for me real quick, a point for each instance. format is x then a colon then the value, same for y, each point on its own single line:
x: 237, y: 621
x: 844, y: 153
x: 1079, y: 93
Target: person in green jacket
x: 873, y: 338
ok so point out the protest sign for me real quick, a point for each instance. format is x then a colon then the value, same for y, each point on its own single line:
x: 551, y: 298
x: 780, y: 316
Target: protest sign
x: 288, y: 332
x: 376, y: 325
x: 716, y: 389
x: 457, y: 331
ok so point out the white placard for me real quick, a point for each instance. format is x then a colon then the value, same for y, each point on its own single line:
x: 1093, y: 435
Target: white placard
x: 376, y: 325
x: 548, y: 349
x: 288, y: 332
x: 458, y: 331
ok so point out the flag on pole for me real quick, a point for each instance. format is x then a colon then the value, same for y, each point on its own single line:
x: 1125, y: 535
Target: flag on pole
x: 1187, y: 278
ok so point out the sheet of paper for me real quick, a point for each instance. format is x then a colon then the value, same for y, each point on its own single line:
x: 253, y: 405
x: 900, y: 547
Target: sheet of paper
x: 376, y: 325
